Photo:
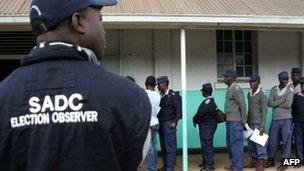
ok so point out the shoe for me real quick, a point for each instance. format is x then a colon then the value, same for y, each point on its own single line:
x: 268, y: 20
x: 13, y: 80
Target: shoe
x: 298, y: 166
x: 228, y: 168
x: 161, y: 169
x: 270, y: 163
x: 252, y: 164
x: 281, y: 168
x: 260, y: 166
x: 201, y: 164
x: 207, y: 169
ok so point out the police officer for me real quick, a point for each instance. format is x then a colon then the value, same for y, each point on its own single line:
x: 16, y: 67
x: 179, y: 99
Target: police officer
x: 61, y: 111
x: 168, y: 116
x: 205, y: 118
x: 296, y: 74
x: 257, y: 111
x: 235, y: 109
x: 280, y: 99
x: 298, y: 119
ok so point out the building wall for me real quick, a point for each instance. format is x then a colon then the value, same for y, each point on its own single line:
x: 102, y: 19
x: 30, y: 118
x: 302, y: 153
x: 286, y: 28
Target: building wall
x: 277, y: 51
x: 157, y: 52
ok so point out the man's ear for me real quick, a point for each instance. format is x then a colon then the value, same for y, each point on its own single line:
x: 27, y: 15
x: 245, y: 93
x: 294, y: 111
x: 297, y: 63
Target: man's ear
x: 78, y: 23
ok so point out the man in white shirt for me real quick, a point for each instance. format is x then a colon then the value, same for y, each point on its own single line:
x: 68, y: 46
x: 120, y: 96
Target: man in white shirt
x: 151, y: 158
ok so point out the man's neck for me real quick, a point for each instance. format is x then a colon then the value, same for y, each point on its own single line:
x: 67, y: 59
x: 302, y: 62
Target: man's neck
x: 230, y: 84
x: 281, y: 86
x: 166, y: 90
x: 296, y: 84
x: 255, y: 89
x: 151, y: 88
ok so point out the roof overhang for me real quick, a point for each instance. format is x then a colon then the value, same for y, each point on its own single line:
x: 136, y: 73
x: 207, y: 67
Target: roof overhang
x: 155, y: 21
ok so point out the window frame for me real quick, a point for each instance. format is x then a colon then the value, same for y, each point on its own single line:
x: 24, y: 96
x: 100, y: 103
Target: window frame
x: 253, y: 53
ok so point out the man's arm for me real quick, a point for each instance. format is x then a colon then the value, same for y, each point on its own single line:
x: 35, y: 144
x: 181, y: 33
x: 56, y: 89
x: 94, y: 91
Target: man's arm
x: 288, y: 101
x: 263, y: 109
x: 240, y: 98
x: 273, y: 102
x: 177, y: 103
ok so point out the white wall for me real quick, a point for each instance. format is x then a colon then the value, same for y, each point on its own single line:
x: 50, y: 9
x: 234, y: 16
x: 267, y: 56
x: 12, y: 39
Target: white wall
x: 157, y: 52
x: 277, y: 51
x: 201, y: 58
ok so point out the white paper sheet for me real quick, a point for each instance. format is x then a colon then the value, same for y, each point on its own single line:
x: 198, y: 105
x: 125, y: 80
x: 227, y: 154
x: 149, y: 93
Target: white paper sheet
x: 257, y: 138
x: 247, y: 133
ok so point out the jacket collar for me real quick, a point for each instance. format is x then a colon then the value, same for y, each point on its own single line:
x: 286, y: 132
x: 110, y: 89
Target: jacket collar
x: 54, y: 51
x: 232, y: 85
x: 282, y: 91
x: 256, y: 92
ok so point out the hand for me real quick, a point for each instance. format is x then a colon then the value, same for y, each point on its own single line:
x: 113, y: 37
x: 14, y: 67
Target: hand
x: 244, y: 126
x: 194, y: 124
x: 173, y: 125
x: 261, y: 130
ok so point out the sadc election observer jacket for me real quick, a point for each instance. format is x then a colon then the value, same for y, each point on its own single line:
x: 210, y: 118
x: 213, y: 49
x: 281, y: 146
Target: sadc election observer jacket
x: 59, y: 111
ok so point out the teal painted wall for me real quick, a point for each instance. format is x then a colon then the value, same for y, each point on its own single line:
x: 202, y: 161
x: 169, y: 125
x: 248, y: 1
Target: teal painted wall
x: 194, y: 98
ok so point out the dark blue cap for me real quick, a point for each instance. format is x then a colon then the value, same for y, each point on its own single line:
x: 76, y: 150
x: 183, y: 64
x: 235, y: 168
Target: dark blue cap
x: 206, y: 87
x: 302, y: 80
x: 283, y: 75
x: 255, y: 78
x: 230, y: 73
x: 52, y: 12
x: 130, y: 78
x: 296, y: 70
x: 162, y: 79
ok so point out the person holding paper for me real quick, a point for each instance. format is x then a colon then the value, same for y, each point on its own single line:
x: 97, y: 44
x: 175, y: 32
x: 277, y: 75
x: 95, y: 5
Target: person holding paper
x: 280, y: 99
x: 235, y: 109
x: 298, y: 119
x: 205, y: 118
x: 257, y: 110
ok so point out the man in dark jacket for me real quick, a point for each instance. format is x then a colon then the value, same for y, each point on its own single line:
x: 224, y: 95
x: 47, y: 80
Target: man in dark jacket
x: 61, y: 111
x: 168, y: 116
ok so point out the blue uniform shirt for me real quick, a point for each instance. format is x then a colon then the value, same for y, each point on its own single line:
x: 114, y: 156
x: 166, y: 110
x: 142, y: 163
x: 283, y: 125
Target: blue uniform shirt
x: 206, y: 111
x: 298, y: 107
x: 59, y: 111
x: 170, y: 107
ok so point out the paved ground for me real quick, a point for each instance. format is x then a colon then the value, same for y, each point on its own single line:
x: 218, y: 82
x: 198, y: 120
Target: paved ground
x: 221, y: 160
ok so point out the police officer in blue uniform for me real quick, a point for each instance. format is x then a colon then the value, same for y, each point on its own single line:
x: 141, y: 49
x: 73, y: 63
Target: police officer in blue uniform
x: 168, y: 116
x: 205, y: 119
x: 298, y: 120
x: 60, y: 110
x: 235, y: 110
x: 280, y: 99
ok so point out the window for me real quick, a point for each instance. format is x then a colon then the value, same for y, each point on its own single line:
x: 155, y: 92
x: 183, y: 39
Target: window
x: 235, y: 51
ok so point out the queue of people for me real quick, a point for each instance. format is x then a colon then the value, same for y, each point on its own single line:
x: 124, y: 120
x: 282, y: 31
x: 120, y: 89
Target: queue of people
x: 287, y: 103
x: 285, y: 100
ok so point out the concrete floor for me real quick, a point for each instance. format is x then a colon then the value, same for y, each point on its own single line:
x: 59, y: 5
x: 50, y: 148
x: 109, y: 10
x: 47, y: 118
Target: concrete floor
x: 221, y: 160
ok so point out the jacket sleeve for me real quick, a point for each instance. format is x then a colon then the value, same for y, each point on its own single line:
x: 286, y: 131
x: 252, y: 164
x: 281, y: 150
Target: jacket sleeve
x: 240, y: 98
x: 293, y: 107
x: 273, y: 102
x: 177, y: 103
x: 264, y: 109
x: 288, y: 101
x: 200, y: 111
